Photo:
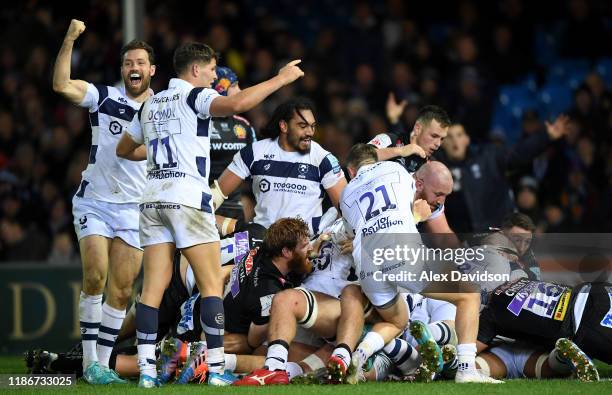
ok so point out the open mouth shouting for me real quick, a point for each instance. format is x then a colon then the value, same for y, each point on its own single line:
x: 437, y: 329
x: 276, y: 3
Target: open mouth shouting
x: 135, y: 80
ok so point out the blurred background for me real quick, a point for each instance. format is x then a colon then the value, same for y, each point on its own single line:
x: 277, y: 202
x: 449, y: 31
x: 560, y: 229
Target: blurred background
x: 501, y: 68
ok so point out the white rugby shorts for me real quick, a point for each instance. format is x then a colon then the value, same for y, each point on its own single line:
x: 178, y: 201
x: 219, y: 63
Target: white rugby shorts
x: 185, y: 226
x: 95, y: 217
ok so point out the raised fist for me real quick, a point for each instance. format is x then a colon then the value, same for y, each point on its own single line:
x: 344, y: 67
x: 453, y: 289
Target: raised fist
x: 75, y: 29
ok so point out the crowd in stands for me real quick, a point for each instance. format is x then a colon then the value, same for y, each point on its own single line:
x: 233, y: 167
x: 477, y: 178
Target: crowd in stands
x: 500, y: 68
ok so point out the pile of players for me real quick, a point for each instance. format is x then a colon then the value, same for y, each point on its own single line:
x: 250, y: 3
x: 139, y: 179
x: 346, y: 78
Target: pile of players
x: 294, y: 295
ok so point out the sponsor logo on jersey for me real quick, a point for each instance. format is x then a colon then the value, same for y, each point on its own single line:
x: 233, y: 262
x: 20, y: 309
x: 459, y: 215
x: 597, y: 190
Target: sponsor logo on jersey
x: 163, y: 174
x: 516, y: 304
x: 122, y: 100
x: 289, y: 187
x: 268, y: 156
x: 562, y: 306
x: 264, y: 185
x: 162, y: 206
x: 380, y: 224
x: 240, y: 131
x: 115, y: 127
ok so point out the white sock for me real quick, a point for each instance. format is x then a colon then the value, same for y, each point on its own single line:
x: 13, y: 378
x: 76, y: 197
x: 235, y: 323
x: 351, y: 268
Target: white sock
x: 294, y: 370
x: 440, y: 331
x: 404, y: 356
x: 371, y: 343
x: 276, y: 358
x: 230, y: 362
x: 558, y: 364
x: 146, y: 359
x: 466, y: 355
x: 216, y: 360
x: 90, y: 315
x: 109, y: 329
x: 343, y: 354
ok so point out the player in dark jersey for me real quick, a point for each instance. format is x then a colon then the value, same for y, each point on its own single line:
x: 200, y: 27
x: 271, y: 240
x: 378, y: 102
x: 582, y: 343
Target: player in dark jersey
x: 539, y: 313
x: 228, y: 135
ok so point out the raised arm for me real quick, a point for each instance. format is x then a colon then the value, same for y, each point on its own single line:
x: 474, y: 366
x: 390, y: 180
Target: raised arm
x: 73, y: 90
x: 248, y: 98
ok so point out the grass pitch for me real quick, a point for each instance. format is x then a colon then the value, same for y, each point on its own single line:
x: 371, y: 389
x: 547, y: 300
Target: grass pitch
x: 15, y: 365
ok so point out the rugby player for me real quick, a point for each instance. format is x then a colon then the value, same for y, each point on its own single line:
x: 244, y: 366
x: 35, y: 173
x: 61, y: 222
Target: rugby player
x: 176, y: 209
x: 289, y: 171
x: 105, y: 207
x: 371, y: 205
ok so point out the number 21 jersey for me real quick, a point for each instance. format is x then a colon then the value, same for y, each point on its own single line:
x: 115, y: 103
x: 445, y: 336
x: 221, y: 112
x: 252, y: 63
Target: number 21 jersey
x: 379, y: 200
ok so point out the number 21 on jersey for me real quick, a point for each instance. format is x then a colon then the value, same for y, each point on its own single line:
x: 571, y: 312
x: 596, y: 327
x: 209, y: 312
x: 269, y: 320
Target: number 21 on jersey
x: 373, y: 203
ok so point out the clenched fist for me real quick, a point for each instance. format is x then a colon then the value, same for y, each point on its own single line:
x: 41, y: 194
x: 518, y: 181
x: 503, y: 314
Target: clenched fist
x: 75, y: 29
x: 290, y: 72
x: 420, y: 210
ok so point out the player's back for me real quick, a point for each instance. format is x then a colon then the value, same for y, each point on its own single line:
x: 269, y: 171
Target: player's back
x: 107, y: 177
x: 175, y: 129
x: 379, y: 200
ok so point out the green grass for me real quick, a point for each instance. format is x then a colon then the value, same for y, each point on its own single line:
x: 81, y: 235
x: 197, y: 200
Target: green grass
x: 524, y: 387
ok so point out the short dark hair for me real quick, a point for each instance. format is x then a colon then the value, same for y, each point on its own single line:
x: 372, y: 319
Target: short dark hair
x: 430, y: 113
x: 284, y: 112
x: 359, y: 154
x: 190, y: 52
x: 519, y: 220
x: 284, y: 233
x: 137, y: 44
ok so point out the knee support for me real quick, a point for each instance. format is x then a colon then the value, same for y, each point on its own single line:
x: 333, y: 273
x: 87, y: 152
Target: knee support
x: 312, y: 309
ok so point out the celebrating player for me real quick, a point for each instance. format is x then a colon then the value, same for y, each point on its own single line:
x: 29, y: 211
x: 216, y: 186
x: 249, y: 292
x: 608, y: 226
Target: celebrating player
x: 105, y: 207
x: 176, y: 209
x: 288, y: 169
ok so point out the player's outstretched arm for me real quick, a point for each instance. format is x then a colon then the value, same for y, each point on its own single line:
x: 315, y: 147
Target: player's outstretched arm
x: 248, y: 98
x: 72, y: 90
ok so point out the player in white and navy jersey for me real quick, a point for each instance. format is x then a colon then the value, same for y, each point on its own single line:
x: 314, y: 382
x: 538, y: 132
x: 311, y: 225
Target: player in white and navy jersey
x: 413, y: 149
x: 290, y: 172
x: 176, y: 206
x: 380, y: 200
x: 105, y: 207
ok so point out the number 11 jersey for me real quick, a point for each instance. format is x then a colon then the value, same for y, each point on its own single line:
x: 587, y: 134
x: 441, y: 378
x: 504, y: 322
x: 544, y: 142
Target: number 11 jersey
x: 174, y: 126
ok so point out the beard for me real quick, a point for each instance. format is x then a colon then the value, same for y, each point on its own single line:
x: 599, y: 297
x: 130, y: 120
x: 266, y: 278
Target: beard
x: 299, y: 264
x: 294, y: 142
x: 136, y: 91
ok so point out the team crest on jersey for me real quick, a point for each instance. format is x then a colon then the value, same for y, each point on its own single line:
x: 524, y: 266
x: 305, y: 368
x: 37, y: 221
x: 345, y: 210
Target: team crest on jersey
x: 240, y: 131
x: 302, y: 169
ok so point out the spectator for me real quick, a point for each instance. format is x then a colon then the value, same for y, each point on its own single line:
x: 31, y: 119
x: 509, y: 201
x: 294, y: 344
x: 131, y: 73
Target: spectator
x: 481, y: 193
x: 19, y: 243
